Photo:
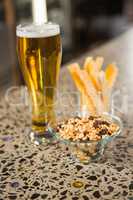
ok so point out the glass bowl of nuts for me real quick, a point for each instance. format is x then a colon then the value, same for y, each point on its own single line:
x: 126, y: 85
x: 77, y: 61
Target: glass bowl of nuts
x: 87, y: 137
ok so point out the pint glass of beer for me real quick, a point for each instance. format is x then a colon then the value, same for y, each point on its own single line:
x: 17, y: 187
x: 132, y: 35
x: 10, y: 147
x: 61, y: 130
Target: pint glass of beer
x: 39, y: 52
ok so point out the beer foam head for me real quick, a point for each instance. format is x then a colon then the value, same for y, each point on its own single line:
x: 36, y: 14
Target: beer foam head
x: 37, y: 31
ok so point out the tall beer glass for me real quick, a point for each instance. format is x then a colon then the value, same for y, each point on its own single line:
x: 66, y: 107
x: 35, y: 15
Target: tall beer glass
x: 39, y: 52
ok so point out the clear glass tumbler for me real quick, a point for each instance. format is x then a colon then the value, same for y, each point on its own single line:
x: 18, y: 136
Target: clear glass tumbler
x: 39, y: 52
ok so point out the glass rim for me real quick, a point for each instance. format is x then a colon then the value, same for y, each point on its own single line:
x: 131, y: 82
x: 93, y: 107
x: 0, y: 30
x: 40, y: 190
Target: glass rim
x: 33, y: 30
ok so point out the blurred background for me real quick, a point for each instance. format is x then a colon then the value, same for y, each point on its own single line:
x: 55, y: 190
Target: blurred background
x: 84, y: 25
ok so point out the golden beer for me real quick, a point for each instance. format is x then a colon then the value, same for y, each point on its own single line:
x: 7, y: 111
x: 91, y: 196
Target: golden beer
x: 39, y: 52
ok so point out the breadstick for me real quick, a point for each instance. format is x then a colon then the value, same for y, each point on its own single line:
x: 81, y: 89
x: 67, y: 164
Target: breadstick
x: 111, y: 73
x: 106, y: 92
x: 87, y: 61
x: 91, y: 67
x: 99, y: 61
x: 80, y: 82
x: 96, y: 96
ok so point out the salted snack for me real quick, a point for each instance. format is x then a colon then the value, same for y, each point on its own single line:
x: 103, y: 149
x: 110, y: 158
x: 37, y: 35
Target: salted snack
x: 92, y: 128
x: 94, y: 84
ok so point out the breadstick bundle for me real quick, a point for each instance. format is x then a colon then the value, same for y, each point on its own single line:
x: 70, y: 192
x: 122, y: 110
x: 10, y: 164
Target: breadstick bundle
x: 94, y: 84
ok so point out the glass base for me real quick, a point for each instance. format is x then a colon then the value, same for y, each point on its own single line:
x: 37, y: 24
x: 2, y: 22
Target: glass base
x: 44, y: 137
x: 85, y: 157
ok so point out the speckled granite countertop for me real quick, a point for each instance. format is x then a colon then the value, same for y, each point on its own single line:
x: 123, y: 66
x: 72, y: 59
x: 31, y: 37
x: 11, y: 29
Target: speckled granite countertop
x: 47, y: 172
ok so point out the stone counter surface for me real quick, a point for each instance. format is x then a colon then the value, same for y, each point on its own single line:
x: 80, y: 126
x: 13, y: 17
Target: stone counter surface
x: 48, y: 171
